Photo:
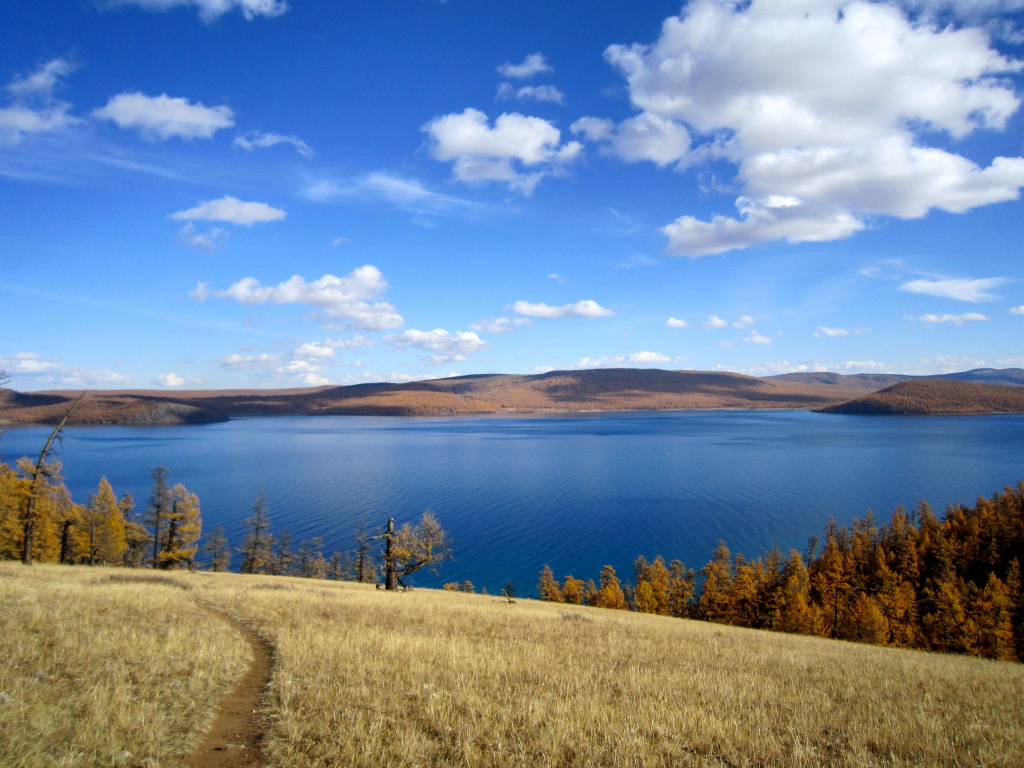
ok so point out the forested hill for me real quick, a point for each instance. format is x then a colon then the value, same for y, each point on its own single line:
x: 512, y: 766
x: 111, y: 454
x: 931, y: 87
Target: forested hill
x: 558, y: 391
x: 935, y: 396
x: 617, y: 389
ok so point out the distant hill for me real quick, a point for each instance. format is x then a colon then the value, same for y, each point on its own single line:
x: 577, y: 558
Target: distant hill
x: 615, y: 389
x: 1013, y: 377
x: 558, y: 391
x: 936, y: 396
x: 868, y: 382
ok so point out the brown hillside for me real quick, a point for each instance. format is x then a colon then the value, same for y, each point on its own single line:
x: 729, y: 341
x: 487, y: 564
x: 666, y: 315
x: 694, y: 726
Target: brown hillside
x: 936, y: 396
x: 559, y: 391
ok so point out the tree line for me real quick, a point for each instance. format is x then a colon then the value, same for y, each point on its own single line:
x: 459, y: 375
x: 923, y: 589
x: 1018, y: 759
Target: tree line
x: 951, y: 584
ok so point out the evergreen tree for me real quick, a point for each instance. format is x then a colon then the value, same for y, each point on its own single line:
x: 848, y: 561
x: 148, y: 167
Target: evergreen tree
x: 548, y: 588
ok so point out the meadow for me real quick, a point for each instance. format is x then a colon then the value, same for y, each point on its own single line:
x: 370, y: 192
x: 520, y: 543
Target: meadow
x: 101, y: 662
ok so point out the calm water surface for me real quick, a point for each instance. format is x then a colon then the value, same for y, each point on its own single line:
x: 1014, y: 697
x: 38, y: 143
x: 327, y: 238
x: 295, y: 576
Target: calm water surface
x: 575, y: 492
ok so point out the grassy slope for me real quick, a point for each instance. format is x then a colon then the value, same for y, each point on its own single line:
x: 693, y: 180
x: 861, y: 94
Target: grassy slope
x: 934, y: 396
x: 367, y: 678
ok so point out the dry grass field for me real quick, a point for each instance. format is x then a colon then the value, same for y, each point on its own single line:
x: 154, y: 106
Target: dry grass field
x: 431, y: 678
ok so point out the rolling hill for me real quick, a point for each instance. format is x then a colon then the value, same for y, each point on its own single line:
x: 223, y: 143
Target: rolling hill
x: 935, y: 396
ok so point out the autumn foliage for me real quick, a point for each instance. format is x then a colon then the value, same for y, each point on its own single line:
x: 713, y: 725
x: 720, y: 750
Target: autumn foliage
x: 951, y: 584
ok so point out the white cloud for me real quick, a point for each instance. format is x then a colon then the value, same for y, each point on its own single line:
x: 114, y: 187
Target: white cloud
x: 757, y: 338
x: 532, y: 65
x: 356, y: 342
x: 403, y: 193
x: 674, y: 322
x: 34, y: 109
x: 955, y: 319
x: 501, y: 325
x: 450, y: 347
x: 1017, y: 310
x: 231, y: 210
x: 743, y: 322
x: 756, y: 82
x: 170, y: 380
x: 543, y: 368
x: 348, y: 297
x: 256, y: 139
x: 202, y: 241
x: 714, y: 321
x: 959, y: 288
x: 868, y: 366
x: 536, y: 92
x: 31, y: 368
x: 556, y: 277
x: 826, y: 331
x: 505, y: 152
x: 611, y: 361
x: 313, y: 350
x: 585, y: 308
x: 162, y: 118
x: 644, y: 137
x: 211, y: 10
x: 339, y: 241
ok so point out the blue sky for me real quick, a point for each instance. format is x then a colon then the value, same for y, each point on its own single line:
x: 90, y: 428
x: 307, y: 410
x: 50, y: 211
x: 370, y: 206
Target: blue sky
x: 257, y: 193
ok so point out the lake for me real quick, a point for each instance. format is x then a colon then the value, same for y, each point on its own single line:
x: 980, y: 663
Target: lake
x: 572, y: 491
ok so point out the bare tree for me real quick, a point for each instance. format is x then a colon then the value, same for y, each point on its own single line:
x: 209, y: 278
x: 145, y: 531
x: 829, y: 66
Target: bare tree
x: 160, y: 505
x: 39, y: 473
x: 258, y: 547
x: 366, y: 570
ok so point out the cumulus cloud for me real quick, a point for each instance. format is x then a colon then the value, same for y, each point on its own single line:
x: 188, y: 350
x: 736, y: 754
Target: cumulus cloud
x: 674, y: 322
x: 612, y: 361
x: 644, y: 137
x: 162, y: 117
x: 585, y: 308
x: 536, y: 92
x: 349, y: 297
x: 501, y: 324
x: 714, y: 321
x: 34, y: 370
x: 448, y: 347
x: 757, y: 338
x: 313, y: 350
x: 355, y: 342
x: 743, y: 322
x: 532, y: 65
x: 170, y: 380
x: 211, y: 10
x: 756, y: 82
x: 1017, y: 310
x: 259, y: 140
x: 231, y: 210
x: 517, y: 150
x: 966, y: 317
x: 959, y: 288
x: 824, y: 330
x: 34, y: 109
x: 202, y: 241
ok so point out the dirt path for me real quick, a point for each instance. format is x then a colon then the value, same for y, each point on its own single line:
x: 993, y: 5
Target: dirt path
x: 233, y: 740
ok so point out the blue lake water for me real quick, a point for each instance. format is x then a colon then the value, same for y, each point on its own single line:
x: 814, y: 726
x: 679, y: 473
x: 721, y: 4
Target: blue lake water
x: 576, y: 492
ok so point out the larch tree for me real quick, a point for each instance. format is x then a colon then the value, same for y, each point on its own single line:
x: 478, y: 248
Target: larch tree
x: 573, y: 590
x: 218, y: 550
x: 410, y: 548
x: 136, y: 534
x: 160, y: 503
x: 547, y: 587
x: 106, y: 528
x: 713, y: 603
x: 609, y: 594
x: 257, y: 548
x: 184, y: 527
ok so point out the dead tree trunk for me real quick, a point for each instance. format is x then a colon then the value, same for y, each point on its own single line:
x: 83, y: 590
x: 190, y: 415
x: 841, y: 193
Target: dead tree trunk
x: 390, y: 576
x: 33, y: 490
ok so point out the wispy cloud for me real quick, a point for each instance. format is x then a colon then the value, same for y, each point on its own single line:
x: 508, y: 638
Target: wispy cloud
x: 959, y: 288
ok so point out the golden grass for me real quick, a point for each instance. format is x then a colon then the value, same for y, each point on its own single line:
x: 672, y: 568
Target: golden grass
x: 430, y: 678
x: 99, y: 662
